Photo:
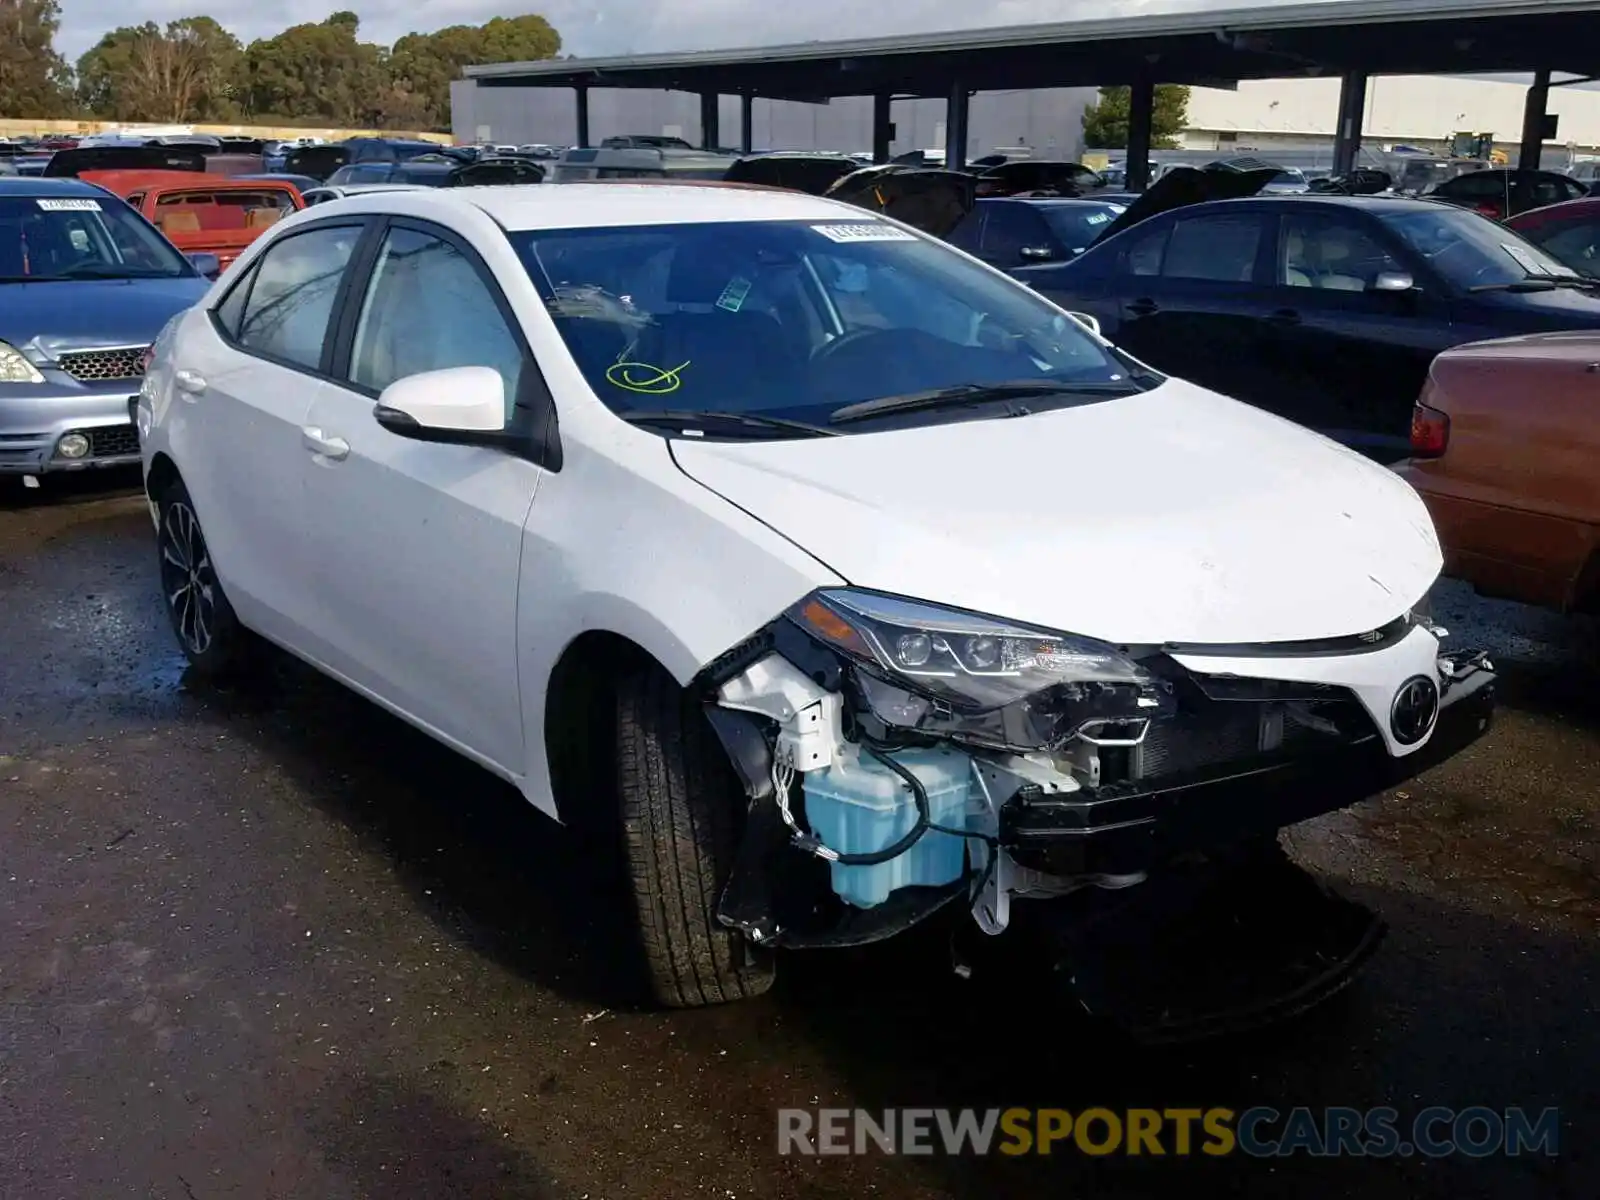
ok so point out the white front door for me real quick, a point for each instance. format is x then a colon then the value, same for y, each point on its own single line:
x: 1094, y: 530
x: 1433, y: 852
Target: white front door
x: 417, y: 546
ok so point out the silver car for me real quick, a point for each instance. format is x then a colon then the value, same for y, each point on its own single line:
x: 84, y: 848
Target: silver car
x: 86, y: 284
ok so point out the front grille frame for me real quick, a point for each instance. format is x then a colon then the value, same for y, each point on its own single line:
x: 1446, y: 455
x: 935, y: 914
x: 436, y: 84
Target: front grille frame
x: 113, y: 441
x: 103, y: 364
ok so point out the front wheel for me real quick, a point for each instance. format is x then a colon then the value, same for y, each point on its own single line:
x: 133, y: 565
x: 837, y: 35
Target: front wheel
x: 682, y: 816
x: 212, y: 639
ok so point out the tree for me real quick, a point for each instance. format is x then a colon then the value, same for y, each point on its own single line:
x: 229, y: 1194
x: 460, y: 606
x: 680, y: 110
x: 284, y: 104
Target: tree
x: 423, y: 64
x: 1105, y: 123
x: 34, y: 79
x: 317, y: 71
x: 185, y: 72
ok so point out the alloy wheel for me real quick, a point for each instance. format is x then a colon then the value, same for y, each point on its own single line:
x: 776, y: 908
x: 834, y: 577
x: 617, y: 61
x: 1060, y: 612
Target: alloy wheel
x: 187, y: 578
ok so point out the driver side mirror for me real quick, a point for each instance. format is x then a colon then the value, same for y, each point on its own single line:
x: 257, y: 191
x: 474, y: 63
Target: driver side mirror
x: 1036, y: 253
x: 1394, y: 282
x: 463, y: 405
x: 207, y: 264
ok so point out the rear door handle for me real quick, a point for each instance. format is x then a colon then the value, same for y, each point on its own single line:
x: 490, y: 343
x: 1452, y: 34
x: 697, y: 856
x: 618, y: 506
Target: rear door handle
x: 1284, y: 316
x: 319, y: 443
x: 189, y: 381
x: 1142, y: 308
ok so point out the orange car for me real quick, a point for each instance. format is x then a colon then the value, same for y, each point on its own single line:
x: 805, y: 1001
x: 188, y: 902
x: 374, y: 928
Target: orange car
x: 202, y: 213
x: 1506, y: 453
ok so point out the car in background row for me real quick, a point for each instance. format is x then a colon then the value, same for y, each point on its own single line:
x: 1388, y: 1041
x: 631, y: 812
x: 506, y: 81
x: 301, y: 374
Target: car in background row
x: 1326, y: 310
x: 86, y: 284
x: 203, y: 214
x: 1506, y: 445
x: 1569, y: 232
x: 639, y: 161
x: 338, y: 191
x: 1020, y: 232
x: 1502, y: 193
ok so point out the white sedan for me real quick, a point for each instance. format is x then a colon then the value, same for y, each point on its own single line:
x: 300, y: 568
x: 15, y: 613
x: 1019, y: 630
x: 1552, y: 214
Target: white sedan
x: 846, y: 575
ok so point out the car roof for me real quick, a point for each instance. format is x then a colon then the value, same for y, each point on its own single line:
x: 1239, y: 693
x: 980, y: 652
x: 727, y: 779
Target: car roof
x: 611, y: 203
x: 37, y: 185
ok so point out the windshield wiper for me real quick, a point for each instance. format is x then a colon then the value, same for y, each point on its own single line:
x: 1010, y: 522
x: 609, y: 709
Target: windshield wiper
x: 96, y: 270
x: 1537, y: 283
x: 980, y: 393
x: 683, y: 418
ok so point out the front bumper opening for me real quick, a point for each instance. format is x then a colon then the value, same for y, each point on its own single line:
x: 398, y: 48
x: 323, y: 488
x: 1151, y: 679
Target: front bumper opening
x: 1097, y: 837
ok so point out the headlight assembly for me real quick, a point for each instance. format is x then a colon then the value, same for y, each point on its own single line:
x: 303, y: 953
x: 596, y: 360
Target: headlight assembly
x: 981, y: 678
x: 14, y: 368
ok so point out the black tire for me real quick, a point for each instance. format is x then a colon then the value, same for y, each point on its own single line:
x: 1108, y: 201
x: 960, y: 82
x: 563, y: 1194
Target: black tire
x: 212, y: 639
x: 682, y: 816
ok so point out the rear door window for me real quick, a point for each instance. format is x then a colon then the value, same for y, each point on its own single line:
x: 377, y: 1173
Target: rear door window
x: 286, y: 314
x: 1214, y: 247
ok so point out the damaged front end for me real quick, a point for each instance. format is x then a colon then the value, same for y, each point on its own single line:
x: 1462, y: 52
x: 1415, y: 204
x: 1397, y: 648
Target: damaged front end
x: 901, y: 757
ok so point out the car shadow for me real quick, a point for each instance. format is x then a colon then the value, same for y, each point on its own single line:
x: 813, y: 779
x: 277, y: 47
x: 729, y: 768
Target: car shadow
x: 485, y: 866
x: 72, y: 487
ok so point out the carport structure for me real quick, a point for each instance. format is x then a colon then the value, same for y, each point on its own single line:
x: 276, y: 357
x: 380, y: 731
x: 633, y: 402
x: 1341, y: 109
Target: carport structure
x: 1351, y: 39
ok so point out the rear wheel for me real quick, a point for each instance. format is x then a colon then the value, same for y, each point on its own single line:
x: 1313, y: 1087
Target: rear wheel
x: 212, y: 639
x: 682, y: 816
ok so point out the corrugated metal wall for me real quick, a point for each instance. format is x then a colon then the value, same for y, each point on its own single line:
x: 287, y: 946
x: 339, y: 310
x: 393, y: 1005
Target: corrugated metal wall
x: 1050, y: 121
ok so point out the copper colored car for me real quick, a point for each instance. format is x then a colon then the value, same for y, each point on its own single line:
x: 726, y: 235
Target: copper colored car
x: 1506, y: 452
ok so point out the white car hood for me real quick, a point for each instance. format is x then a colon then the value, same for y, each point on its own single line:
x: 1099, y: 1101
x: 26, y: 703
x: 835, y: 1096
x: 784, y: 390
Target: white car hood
x: 1172, y: 516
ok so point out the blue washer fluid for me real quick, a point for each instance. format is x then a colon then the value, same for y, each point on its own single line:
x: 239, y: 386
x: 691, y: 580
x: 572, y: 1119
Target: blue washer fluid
x: 859, y: 806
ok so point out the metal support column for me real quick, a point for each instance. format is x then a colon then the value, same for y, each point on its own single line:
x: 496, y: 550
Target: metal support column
x: 747, y: 132
x: 882, y: 126
x: 1352, y: 119
x: 955, y: 127
x: 582, y: 94
x: 710, y: 134
x: 1533, y: 122
x: 1141, y: 122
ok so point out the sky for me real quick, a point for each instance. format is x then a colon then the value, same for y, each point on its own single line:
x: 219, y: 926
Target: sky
x: 604, y: 27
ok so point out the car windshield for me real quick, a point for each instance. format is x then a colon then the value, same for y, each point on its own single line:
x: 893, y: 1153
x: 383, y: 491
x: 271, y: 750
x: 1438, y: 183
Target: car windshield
x: 81, y: 237
x: 1077, y: 225
x: 1470, y: 250
x: 799, y: 319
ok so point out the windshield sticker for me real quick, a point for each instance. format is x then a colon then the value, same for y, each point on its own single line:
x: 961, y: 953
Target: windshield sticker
x: 1532, y: 265
x: 69, y: 205
x: 733, y: 295
x: 864, y: 231
x: 1099, y: 218
x: 644, y: 378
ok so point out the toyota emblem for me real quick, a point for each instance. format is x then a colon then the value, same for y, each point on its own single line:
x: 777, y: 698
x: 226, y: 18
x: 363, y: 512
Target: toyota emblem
x: 1416, y: 708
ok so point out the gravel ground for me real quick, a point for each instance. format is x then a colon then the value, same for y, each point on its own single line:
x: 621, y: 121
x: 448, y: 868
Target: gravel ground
x: 273, y: 943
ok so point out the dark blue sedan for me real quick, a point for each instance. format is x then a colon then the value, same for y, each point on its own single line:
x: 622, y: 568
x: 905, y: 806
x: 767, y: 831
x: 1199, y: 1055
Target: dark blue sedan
x: 1017, y: 231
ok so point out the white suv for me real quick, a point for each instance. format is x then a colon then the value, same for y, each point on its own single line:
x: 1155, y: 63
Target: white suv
x: 850, y: 575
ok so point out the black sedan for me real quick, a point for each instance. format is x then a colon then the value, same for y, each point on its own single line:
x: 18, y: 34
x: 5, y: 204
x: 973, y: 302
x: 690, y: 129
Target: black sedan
x: 1505, y: 193
x: 1327, y: 310
x: 1016, y: 232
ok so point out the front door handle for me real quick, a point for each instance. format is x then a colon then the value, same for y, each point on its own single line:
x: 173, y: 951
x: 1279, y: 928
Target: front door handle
x: 1284, y: 316
x: 1142, y: 308
x: 189, y: 381
x: 319, y: 443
